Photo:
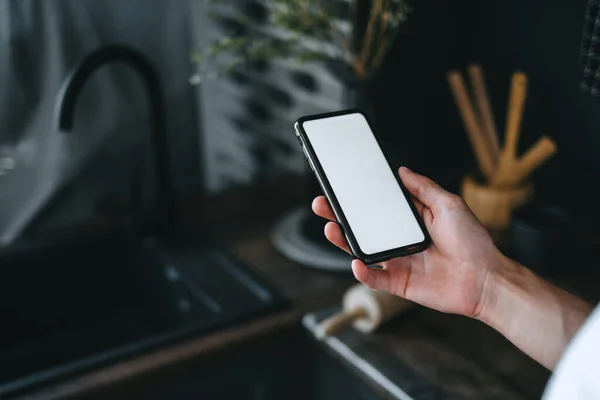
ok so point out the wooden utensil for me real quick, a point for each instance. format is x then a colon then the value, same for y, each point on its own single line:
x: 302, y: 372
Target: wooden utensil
x: 532, y: 159
x: 487, y: 123
x: 508, y: 161
x: 363, y: 308
x: 484, y: 158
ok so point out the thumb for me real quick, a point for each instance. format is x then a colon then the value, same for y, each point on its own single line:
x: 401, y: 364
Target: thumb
x: 421, y: 187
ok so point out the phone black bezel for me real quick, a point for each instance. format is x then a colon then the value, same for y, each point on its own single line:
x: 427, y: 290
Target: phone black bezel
x: 368, y: 259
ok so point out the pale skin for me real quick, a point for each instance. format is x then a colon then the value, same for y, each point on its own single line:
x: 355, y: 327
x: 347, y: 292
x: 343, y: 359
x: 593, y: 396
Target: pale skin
x: 463, y: 272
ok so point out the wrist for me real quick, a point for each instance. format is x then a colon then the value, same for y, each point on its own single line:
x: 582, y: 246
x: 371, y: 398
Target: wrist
x: 539, y: 318
x: 503, y: 287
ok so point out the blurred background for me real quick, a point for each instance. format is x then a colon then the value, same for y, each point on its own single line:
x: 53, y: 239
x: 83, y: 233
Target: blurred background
x: 155, y: 225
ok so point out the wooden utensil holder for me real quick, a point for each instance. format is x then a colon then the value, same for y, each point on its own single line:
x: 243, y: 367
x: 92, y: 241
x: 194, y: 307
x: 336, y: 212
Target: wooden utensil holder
x: 494, y: 206
x: 504, y: 183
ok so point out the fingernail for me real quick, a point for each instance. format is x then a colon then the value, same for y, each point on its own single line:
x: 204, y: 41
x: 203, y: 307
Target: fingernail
x: 405, y: 168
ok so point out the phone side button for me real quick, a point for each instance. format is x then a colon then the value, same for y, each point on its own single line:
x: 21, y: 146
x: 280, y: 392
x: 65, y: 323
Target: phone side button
x: 312, y: 166
x: 305, y: 153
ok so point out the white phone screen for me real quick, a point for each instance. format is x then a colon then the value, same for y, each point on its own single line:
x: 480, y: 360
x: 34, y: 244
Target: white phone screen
x: 363, y: 182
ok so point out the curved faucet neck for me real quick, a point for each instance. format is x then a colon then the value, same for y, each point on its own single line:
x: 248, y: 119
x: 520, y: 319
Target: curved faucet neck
x: 68, y: 97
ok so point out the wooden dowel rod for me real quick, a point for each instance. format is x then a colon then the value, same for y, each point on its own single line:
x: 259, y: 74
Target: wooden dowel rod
x: 520, y: 169
x: 488, y: 125
x: 484, y: 159
x: 518, y: 94
x: 534, y: 157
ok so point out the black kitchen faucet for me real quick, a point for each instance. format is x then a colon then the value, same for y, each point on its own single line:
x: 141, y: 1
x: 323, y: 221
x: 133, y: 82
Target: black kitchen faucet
x: 67, y: 100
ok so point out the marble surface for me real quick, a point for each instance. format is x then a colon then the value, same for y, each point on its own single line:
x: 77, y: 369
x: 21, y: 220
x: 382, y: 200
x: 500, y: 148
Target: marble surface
x: 423, y: 354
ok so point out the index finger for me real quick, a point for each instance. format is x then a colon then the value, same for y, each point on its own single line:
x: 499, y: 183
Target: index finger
x: 321, y: 207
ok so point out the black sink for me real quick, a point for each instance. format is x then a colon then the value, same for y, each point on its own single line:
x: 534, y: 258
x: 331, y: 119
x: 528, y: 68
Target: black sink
x: 76, y: 306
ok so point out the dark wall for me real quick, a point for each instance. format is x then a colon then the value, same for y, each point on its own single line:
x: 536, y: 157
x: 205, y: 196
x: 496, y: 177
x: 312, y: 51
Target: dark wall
x: 420, y: 123
x: 541, y: 38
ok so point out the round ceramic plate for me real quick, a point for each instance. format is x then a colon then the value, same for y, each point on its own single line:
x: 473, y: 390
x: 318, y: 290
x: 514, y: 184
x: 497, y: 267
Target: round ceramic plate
x: 288, y: 239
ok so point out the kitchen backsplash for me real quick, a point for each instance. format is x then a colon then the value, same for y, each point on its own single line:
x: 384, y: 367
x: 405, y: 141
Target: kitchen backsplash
x: 248, y: 116
x: 42, y: 41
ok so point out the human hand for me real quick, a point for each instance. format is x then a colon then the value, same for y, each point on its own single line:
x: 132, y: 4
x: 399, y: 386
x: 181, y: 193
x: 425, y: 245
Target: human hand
x: 452, y: 275
x: 463, y: 272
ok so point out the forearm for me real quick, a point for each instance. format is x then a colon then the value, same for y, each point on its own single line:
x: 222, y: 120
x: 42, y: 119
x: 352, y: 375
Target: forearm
x: 537, y: 317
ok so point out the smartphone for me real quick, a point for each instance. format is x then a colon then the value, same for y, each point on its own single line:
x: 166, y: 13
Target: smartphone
x: 371, y: 205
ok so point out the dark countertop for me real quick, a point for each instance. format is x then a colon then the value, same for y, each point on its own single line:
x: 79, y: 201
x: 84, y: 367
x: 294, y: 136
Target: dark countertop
x: 423, y: 354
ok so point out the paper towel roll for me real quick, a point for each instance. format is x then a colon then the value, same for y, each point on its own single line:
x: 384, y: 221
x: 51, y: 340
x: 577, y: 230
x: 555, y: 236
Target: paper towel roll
x: 365, y: 309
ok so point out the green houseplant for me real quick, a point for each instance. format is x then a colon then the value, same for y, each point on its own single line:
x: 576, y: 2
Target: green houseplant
x: 356, y: 34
